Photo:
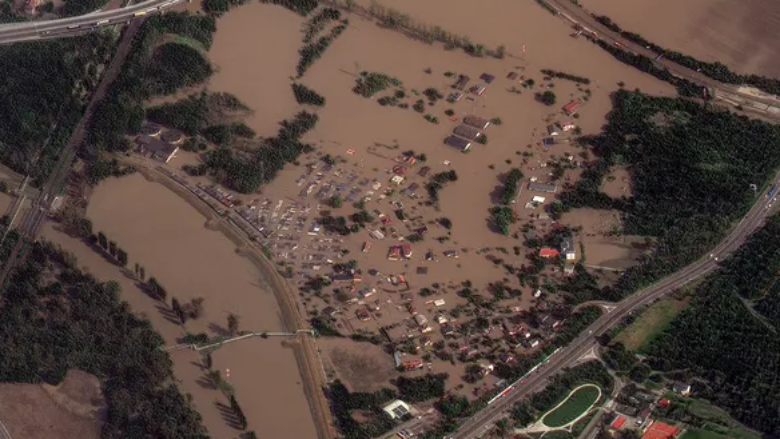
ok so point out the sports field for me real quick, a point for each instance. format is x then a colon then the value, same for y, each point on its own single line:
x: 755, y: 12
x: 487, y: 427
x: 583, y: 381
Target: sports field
x: 576, y: 405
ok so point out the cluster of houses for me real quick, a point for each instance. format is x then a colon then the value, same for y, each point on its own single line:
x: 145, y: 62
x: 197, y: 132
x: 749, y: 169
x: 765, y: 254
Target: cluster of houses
x: 472, y: 127
x: 566, y: 250
x: 397, y: 251
x: 634, y: 409
x: 470, y: 130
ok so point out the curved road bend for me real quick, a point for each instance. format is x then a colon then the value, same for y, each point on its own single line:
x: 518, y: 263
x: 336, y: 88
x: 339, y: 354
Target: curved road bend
x: 479, y: 423
x: 71, y: 26
x: 580, y: 16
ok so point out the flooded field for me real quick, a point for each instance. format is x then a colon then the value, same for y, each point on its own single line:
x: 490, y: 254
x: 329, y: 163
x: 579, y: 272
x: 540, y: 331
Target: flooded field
x: 255, y: 51
x: 167, y: 237
x: 739, y: 33
x: 367, y: 139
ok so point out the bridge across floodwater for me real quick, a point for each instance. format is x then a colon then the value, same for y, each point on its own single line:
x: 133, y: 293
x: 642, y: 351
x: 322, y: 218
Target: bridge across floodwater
x: 215, y: 344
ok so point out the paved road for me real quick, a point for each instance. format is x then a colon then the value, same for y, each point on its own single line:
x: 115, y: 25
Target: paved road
x: 71, y: 26
x: 483, y: 420
x: 33, y: 220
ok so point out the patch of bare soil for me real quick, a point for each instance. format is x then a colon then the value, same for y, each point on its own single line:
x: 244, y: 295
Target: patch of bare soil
x: 362, y: 367
x: 72, y: 409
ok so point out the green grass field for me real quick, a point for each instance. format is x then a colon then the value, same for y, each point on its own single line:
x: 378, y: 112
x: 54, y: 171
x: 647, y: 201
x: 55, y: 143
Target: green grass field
x: 575, y: 405
x: 652, y: 322
x: 702, y: 434
x: 557, y: 434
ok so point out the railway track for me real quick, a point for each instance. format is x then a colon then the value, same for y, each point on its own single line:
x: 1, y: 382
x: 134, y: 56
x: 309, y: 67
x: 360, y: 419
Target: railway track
x: 32, y: 222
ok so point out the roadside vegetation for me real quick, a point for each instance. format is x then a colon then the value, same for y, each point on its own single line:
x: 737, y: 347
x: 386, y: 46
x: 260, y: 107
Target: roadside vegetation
x: 692, y: 171
x: 714, y: 70
x: 45, y: 88
x: 525, y: 413
x: 576, y: 404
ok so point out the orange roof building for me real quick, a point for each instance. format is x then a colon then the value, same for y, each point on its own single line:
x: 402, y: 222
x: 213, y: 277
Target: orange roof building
x: 660, y: 430
x: 547, y: 252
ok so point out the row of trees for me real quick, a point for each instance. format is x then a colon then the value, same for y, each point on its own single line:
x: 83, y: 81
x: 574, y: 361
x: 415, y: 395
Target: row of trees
x: 317, y: 23
x: 56, y: 317
x: 714, y: 70
x: 220, y: 7
x: 311, y: 52
x: 564, y: 75
x: 647, y: 65
x: 301, y: 7
x: 692, y: 171
x: 110, y: 247
x: 394, y: 19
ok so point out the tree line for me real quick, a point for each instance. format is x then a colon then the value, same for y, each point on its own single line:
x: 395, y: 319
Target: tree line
x: 713, y: 70
x: 306, y: 96
x: 311, y: 52
x: 564, y: 75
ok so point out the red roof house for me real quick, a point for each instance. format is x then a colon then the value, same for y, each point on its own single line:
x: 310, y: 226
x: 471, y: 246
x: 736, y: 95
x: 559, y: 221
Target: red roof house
x: 547, y: 252
x: 571, y: 107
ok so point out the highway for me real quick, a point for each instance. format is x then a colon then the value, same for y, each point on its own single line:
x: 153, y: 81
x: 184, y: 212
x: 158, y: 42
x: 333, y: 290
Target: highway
x: 72, y: 26
x: 480, y: 423
x: 32, y: 222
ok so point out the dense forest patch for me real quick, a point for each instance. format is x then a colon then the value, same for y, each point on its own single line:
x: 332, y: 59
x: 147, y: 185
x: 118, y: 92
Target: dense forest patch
x: 692, y: 170
x: 55, y: 318
x: 43, y: 89
x: 719, y: 341
x: 174, y: 66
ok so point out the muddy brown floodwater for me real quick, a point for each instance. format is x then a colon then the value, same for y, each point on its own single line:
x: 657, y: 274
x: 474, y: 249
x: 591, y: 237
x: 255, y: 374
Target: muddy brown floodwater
x: 739, y: 33
x: 167, y: 237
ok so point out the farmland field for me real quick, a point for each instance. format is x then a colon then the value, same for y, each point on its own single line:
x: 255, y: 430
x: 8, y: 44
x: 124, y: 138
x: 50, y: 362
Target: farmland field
x: 579, y: 401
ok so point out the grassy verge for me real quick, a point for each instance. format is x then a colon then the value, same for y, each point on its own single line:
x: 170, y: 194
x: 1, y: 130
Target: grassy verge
x: 576, y: 404
x: 653, y: 321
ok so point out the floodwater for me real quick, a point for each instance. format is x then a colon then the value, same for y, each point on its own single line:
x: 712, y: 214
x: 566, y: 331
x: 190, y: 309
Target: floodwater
x: 254, y: 53
x: 165, y: 235
x: 739, y: 33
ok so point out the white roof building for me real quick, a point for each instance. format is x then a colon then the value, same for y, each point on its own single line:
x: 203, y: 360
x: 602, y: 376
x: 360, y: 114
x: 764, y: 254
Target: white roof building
x: 396, y: 409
